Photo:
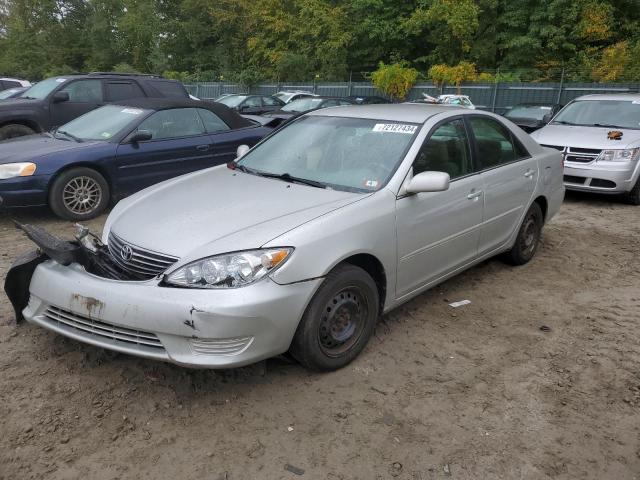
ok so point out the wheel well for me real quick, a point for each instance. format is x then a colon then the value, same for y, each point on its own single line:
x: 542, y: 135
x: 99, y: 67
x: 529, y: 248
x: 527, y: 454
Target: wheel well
x: 27, y: 123
x: 373, y: 267
x: 542, y: 201
x: 91, y: 166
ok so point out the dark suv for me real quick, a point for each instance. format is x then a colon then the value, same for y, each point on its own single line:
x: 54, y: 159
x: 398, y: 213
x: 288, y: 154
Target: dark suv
x: 58, y: 100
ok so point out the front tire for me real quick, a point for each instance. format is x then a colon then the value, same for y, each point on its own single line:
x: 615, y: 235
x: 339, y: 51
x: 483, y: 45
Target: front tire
x: 15, y: 130
x: 528, y: 238
x: 338, y: 321
x: 633, y: 197
x: 79, y: 194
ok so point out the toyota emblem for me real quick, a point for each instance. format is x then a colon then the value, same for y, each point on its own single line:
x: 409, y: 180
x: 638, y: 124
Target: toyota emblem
x: 126, y: 252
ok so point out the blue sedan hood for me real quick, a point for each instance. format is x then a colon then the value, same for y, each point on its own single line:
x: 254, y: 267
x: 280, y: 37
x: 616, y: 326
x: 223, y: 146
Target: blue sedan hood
x: 33, y: 148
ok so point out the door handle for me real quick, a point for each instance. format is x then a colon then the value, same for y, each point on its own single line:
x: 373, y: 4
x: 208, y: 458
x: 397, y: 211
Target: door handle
x: 473, y: 195
x: 529, y: 173
x: 202, y: 148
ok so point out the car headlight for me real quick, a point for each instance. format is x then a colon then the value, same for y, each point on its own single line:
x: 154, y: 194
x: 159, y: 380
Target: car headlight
x: 230, y: 270
x: 10, y: 170
x: 619, y: 155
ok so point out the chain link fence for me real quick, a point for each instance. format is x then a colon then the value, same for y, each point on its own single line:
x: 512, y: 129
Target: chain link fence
x: 495, y: 97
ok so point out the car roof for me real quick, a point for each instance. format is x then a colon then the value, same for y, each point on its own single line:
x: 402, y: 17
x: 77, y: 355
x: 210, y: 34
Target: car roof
x: 400, y: 112
x: 229, y: 117
x: 629, y: 97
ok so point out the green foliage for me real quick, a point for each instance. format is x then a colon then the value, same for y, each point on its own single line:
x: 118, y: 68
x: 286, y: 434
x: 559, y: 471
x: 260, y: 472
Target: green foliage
x: 291, y: 40
x: 396, y: 80
x: 453, y: 75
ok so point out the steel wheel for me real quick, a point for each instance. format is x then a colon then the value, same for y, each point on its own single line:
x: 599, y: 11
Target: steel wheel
x: 343, y: 321
x: 81, y: 195
x: 530, y: 234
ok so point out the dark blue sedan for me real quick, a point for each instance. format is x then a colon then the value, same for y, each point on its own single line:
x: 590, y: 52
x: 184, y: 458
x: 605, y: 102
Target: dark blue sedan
x: 117, y: 150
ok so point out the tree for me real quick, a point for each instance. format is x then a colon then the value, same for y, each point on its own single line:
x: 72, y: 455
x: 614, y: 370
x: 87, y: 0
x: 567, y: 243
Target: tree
x: 395, y: 80
x: 454, y: 75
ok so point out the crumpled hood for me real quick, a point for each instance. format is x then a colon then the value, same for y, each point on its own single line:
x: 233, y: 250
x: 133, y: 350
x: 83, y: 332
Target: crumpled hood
x: 584, y: 137
x: 219, y: 210
x: 33, y: 147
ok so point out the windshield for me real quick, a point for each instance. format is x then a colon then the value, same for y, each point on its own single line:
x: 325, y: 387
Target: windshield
x: 102, y: 123
x: 40, y: 90
x: 302, y: 105
x: 352, y: 154
x: 8, y: 93
x: 534, y: 112
x: 232, y: 100
x: 606, y: 113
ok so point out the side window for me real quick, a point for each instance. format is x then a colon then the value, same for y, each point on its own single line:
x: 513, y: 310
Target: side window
x: 84, y: 91
x: 9, y: 84
x: 123, y: 91
x: 446, y: 150
x: 496, y: 145
x: 212, y: 122
x: 270, y: 102
x: 252, y: 102
x: 177, y: 122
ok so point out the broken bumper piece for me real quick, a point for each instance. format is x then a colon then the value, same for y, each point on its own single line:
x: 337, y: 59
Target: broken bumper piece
x: 191, y: 327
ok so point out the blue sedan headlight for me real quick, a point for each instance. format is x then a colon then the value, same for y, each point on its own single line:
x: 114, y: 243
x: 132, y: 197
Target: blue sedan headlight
x: 11, y: 170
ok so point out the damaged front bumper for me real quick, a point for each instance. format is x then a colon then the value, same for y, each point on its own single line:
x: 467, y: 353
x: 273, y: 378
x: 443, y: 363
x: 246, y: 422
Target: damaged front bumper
x: 191, y: 327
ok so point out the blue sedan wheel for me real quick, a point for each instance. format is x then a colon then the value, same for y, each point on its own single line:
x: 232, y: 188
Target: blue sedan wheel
x: 79, y: 194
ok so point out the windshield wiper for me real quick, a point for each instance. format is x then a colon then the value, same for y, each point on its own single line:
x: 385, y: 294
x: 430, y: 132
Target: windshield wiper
x: 603, y: 125
x: 71, y: 136
x: 562, y: 122
x: 287, y: 177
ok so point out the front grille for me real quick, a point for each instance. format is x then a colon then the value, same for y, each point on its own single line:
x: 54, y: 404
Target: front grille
x: 573, y: 179
x: 142, y: 262
x: 220, y: 346
x: 581, y: 155
x: 104, y: 332
x: 599, y: 182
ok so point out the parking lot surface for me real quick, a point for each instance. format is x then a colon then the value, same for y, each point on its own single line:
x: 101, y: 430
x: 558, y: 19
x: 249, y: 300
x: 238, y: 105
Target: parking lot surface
x: 479, y: 391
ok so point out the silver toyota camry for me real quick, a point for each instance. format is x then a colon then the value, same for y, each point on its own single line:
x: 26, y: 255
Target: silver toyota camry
x: 302, y: 242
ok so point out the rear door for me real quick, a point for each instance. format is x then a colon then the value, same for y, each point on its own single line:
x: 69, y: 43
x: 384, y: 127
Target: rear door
x: 438, y: 231
x: 179, y: 145
x: 509, y: 175
x: 84, y: 96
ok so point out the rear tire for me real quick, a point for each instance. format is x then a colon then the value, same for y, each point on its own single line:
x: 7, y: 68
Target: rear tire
x: 633, y: 197
x: 79, y: 194
x: 338, y: 321
x: 15, y: 130
x: 528, y: 237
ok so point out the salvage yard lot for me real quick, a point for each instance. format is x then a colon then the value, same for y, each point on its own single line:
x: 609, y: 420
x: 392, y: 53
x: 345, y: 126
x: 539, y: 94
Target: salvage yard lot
x: 473, y: 392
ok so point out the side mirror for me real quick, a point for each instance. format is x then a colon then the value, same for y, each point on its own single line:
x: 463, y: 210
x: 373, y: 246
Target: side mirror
x: 429, y: 182
x: 140, y: 136
x: 547, y: 118
x: 242, y: 151
x: 59, y: 97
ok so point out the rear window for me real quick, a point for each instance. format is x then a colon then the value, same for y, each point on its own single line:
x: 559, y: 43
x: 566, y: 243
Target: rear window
x: 169, y: 89
x: 123, y: 91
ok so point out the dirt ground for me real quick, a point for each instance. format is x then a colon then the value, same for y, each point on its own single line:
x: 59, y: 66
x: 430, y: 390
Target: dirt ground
x: 476, y: 392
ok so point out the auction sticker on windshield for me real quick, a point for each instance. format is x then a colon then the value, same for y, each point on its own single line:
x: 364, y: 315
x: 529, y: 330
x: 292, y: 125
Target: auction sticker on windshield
x: 395, y: 128
x: 132, y: 111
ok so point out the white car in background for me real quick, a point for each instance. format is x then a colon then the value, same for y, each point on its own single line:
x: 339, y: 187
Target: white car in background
x: 458, y: 100
x: 288, y: 96
x: 6, y: 83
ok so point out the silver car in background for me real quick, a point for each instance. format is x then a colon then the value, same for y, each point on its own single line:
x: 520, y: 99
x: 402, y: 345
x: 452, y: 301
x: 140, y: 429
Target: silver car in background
x: 599, y: 137
x: 303, y: 242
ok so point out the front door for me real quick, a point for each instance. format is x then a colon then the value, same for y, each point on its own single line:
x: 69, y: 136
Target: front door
x: 438, y: 232
x: 509, y: 175
x: 84, y: 96
x: 179, y: 145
